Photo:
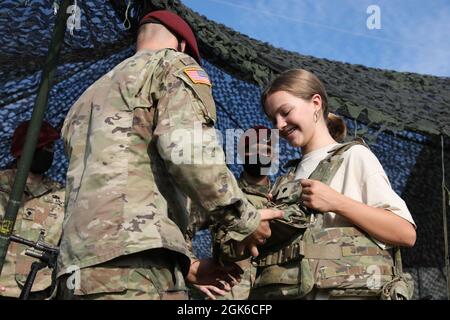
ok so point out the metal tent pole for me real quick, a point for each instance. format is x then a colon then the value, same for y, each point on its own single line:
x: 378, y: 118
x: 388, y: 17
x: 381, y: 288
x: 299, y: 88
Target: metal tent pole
x: 48, y: 72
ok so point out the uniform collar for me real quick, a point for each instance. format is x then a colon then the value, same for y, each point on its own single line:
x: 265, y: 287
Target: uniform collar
x: 34, y: 187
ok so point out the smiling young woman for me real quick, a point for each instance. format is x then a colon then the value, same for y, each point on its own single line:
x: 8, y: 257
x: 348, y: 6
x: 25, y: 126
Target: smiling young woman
x: 356, y: 195
x: 297, y: 104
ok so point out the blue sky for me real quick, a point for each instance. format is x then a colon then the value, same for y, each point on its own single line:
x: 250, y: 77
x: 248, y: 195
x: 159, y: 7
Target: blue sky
x: 414, y: 34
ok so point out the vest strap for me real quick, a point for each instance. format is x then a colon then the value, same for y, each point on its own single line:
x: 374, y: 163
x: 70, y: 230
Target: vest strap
x: 332, y: 272
x: 363, y: 251
x: 335, y: 233
x: 330, y: 251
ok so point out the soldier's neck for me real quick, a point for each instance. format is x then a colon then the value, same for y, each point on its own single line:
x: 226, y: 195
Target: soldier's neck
x: 153, y: 46
x: 260, y: 180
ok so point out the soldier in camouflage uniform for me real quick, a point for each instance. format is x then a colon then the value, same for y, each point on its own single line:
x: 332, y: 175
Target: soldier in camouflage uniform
x: 255, y: 184
x: 42, y: 208
x: 134, y: 155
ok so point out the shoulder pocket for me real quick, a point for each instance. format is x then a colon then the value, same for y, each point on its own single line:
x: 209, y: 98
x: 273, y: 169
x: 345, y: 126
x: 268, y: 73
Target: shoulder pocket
x: 285, y: 186
x: 289, y: 192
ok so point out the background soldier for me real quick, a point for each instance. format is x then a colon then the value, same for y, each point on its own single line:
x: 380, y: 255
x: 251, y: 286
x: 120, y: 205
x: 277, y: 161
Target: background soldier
x: 42, y: 208
x: 255, y: 152
x: 126, y: 212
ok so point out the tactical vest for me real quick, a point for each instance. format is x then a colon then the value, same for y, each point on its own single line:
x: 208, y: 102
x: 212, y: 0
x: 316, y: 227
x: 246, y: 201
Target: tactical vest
x: 302, y: 255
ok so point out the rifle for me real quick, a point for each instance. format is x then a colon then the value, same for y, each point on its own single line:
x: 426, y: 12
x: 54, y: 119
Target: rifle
x: 45, y: 252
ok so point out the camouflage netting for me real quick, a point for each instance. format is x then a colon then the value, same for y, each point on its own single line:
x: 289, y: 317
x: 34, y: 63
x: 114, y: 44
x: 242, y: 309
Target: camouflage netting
x: 401, y: 115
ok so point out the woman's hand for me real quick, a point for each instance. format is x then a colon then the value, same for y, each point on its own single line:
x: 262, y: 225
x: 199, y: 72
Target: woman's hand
x: 319, y: 196
x: 380, y: 223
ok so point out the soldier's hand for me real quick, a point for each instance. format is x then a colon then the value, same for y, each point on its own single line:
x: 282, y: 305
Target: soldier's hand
x: 2, y: 288
x: 208, y: 275
x: 211, y: 291
x: 261, y: 234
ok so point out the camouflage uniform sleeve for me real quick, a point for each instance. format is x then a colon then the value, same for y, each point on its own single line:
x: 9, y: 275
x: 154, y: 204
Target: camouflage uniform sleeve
x: 5, y: 188
x: 188, y: 143
x: 199, y: 219
x: 192, y: 228
x: 3, y: 203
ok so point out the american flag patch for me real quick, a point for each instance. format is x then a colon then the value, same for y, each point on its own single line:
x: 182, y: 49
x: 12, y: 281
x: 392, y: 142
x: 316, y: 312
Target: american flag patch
x: 197, y: 75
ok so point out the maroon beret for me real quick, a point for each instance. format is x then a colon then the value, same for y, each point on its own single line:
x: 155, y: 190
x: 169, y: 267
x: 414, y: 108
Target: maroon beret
x: 47, y: 135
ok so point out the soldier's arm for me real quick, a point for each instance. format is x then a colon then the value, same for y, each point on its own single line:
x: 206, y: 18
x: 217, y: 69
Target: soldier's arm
x: 187, y: 141
x: 5, y: 189
x: 4, y: 194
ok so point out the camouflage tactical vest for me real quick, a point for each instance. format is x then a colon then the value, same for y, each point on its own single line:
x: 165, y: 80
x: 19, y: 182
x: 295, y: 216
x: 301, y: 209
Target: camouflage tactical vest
x: 302, y: 255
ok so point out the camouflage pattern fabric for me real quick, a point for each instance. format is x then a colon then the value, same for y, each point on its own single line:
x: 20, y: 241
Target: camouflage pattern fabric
x: 241, y: 290
x: 255, y: 193
x: 125, y: 191
x: 257, y: 196
x: 141, y: 276
x: 199, y: 220
x: 344, y: 262
x: 42, y: 208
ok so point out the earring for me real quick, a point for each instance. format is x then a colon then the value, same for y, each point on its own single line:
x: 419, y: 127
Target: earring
x: 316, y: 116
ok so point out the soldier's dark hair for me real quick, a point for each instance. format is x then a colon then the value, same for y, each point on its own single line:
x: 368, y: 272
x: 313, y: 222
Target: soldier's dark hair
x: 304, y: 84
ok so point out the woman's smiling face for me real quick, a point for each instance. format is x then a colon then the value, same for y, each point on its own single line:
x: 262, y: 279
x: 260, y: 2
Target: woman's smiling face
x: 293, y: 116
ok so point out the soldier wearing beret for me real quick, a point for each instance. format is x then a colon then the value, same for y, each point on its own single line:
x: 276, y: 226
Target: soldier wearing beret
x: 134, y: 155
x: 42, y: 208
x: 254, y: 150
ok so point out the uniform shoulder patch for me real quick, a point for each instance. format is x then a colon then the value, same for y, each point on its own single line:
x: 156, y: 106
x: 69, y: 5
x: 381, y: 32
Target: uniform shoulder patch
x: 197, y: 75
